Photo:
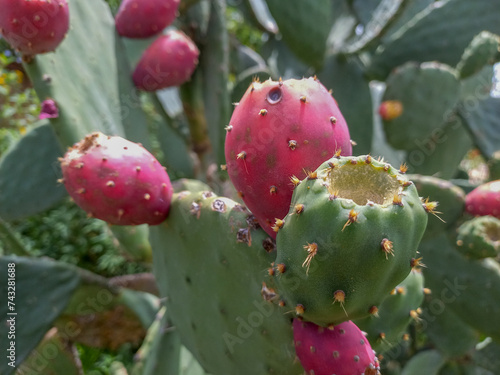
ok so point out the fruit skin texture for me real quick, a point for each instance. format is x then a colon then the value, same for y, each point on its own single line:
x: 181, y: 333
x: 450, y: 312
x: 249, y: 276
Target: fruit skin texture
x: 354, y: 240
x: 484, y: 200
x: 117, y: 181
x: 339, y: 350
x: 34, y: 27
x: 279, y: 130
x: 169, y: 61
x: 142, y: 19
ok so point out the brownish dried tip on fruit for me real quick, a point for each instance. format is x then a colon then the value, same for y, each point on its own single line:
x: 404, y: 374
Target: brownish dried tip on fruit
x: 373, y: 311
x: 281, y: 268
x: 339, y: 296
x: 292, y: 144
x: 353, y: 217
x: 299, y: 309
x: 312, y: 250
x: 273, y: 189
x: 303, y: 99
x: 228, y: 128
x: 242, y: 155
x: 403, y: 168
x: 333, y: 120
x: 263, y: 112
x: 430, y: 207
x: 387, y: 247
x: 397, y: 200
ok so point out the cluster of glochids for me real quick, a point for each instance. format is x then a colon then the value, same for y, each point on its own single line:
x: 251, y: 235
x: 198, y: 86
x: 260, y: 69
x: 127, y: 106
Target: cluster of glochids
x: 36, y: 27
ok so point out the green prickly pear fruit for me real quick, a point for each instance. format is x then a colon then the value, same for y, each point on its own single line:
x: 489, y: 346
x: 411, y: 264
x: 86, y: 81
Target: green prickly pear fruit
x: 350, y: 237
x: 479, y: 238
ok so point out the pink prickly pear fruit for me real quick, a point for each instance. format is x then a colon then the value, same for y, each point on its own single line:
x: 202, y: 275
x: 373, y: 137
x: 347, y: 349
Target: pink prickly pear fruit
x: 34, y: 26
x: 117, y: 180
x: 390, y: 109
x: 169, y: 61
x: 339, y: 350
x: 145, y: 18
x: 278, y: 133
x: 48, y: 109
x: 484, y: 200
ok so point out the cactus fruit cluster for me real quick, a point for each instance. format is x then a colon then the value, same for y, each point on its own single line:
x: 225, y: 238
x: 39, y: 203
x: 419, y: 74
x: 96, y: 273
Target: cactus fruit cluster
x: 337, y: 224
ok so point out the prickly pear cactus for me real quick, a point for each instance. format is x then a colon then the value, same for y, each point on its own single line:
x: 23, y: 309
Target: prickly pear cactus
x: 260, y: 236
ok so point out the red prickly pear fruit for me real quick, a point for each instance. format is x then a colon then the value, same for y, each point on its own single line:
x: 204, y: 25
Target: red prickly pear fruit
x: 145, y: 18
x: 169, y: 61
x: 390, y: 109
x: 117, y: 180
x: 34, y: 26
x: 339, y: 350
x: 484, y: 200
x: 280, y: 131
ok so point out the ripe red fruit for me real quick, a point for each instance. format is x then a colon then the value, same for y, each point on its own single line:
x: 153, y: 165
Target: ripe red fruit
x: 145, y: 18
x: 280, y: 131
x: 34, y: 26
x: 339, y: 350
x: 117, y: 181
x: 169, y: 61
x: 484, y: 200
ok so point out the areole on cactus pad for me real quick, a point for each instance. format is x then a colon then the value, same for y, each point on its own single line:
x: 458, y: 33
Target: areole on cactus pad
x: 117, y: 180
x: 278, y: 131
x: 350, y: 237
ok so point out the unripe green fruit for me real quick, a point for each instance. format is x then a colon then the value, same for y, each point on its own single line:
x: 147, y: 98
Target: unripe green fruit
x: 350, y: 237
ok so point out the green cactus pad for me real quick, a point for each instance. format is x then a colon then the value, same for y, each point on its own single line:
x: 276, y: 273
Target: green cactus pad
x: 471, y: 288
x: 483, y: 122
x: 133, y: 240
x: 426, y: 37
x: 54, y: 355
x: 28, y: 175
x: 424, y: 107
x: 349, y: 85
x: 447, y: 332
x: 386, y: 328
x: 442, y: 151
x: 427, y: 362
x: 42, y: 288
x: 483, y: 50
x: 210, y: 265
x: 89, y: 79
x: 305, y: 27
x: 479, y: 237
x: 450, y: 198
x: 349, y: 238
